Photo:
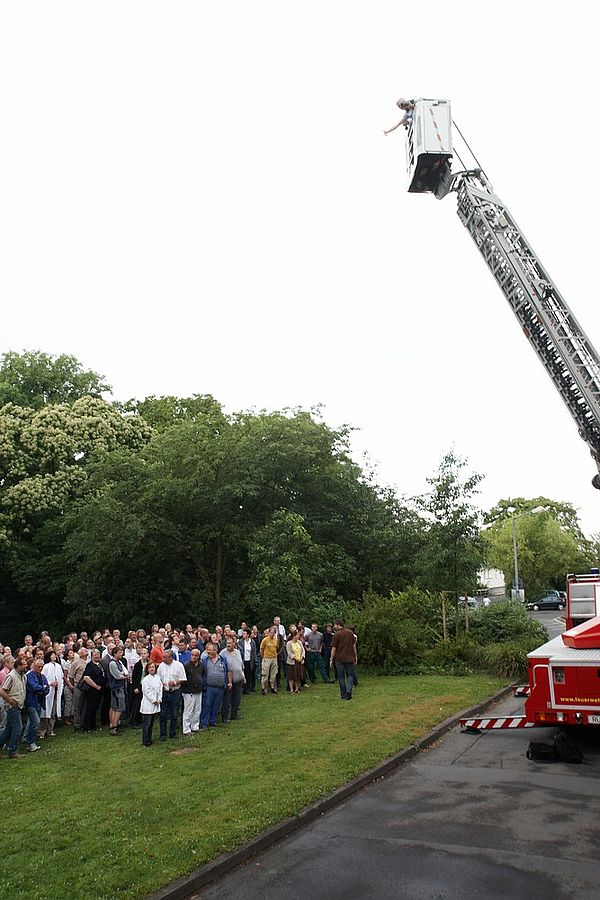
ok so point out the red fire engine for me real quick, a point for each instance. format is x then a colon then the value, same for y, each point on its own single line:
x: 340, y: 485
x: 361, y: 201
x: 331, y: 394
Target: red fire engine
x: 564, y: 674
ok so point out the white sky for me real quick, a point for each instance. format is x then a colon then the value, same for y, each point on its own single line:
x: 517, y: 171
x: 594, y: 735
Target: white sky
x: 198, y: 197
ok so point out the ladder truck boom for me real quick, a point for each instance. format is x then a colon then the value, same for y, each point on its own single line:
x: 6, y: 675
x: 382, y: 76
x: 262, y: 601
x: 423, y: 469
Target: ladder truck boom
x: 563, y: 673
x: 560, y: 342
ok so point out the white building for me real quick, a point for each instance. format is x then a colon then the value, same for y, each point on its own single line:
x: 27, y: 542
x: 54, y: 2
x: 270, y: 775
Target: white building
x: 493, y: 582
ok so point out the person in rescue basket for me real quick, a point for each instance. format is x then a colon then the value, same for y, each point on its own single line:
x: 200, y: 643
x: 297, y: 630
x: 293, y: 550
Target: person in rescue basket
x: 407, y: 106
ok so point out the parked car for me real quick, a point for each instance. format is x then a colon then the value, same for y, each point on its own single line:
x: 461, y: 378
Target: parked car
x: 549, y: 600
x: 472, y: 602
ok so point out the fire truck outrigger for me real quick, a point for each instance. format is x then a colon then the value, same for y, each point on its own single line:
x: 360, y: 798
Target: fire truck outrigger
x: 564, y: 673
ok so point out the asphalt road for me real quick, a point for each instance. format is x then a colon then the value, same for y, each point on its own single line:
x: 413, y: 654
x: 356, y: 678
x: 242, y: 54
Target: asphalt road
x: 471, y: 817
x: 553, y: 620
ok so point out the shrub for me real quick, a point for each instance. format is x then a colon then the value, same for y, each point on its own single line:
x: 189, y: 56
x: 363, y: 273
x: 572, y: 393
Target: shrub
x: 455, y: 657
x: 402, y: 633
x: 393, y: 633
x: 423, y: 608
x: 506, y: 660
x: 507, y: 622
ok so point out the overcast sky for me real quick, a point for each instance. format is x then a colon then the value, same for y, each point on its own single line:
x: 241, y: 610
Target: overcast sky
x: 198, y: 197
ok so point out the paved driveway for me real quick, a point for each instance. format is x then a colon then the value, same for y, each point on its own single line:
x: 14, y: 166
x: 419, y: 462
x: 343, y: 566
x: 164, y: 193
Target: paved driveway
x: 469, y: 818
x: 552, y: 620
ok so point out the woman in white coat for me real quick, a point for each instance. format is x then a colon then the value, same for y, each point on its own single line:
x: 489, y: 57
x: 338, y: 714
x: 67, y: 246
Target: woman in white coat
x: 152, y: 689
x: 54, y: 675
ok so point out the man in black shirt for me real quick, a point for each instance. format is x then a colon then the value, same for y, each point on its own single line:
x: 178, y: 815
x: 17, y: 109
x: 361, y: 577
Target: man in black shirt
x: 191, y: 691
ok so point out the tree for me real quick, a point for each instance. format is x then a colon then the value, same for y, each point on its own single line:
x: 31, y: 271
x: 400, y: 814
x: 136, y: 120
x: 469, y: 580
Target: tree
x: 454, y: 550
x: 292, y: 573
x: 35, y: 379
x: 45, y: 456
x: 549, y: 539
x: 252, y: 512
x: 281, y: 552
x: 564, y: 513
x: 166, y: 411
x: 199, y: 492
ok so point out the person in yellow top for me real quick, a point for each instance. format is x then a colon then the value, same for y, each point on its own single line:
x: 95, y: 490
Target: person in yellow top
x: 295, y: 658
x: 268, y: 651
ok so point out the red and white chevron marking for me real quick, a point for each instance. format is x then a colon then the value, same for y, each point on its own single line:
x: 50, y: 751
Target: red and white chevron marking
x: 437, y: 130
x: 508, y: 722
x: 521, y: 690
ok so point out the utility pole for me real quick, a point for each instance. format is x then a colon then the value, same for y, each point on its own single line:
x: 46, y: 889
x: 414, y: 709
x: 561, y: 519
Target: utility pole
x: 516, y: 593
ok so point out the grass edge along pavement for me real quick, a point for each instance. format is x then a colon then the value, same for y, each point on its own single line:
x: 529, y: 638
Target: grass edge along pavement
x: 110, y: 818
x: 184, y: 886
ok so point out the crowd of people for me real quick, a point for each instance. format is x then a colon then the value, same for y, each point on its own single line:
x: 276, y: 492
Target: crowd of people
x: 190, y: 677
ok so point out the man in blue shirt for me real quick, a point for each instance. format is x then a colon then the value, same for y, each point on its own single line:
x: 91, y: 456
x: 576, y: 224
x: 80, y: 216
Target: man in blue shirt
x: 181, y: 652
x: 216, y: 679
x: 36, y: 688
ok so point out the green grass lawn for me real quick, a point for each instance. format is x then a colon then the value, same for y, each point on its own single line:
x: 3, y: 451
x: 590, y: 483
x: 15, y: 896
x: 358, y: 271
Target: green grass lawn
x: 94, y: 816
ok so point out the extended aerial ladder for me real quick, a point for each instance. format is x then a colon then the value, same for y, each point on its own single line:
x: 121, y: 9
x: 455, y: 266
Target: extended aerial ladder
x: 560, y: 342
x: 563, y: 673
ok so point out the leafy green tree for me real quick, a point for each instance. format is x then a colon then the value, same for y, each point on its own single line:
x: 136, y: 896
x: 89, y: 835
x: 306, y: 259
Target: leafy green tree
x: 202, y: 492
x: 166, y: 411
x: 35, y: 379
x: 252, y: 512
x: 168, y: 505
x: 593, y: 549
x: 293, y: 575
x: 385, y: 536
x: 178, y: 511
x: 45, y: 456
x: 549, y: 539
x: 564, y: 513
x: 44, y: 453
x: 454, y: 550
x: 281, y: 552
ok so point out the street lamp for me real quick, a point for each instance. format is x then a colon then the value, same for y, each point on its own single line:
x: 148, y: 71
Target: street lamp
x: 518, y: 593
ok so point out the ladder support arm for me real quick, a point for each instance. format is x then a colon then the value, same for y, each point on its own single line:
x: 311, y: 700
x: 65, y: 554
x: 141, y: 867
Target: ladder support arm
x: 551, y: 328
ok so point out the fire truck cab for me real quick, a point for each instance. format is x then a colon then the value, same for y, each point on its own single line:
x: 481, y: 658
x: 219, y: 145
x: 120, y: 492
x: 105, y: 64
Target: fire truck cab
x: 583, y: 599
x: 564, y: 673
